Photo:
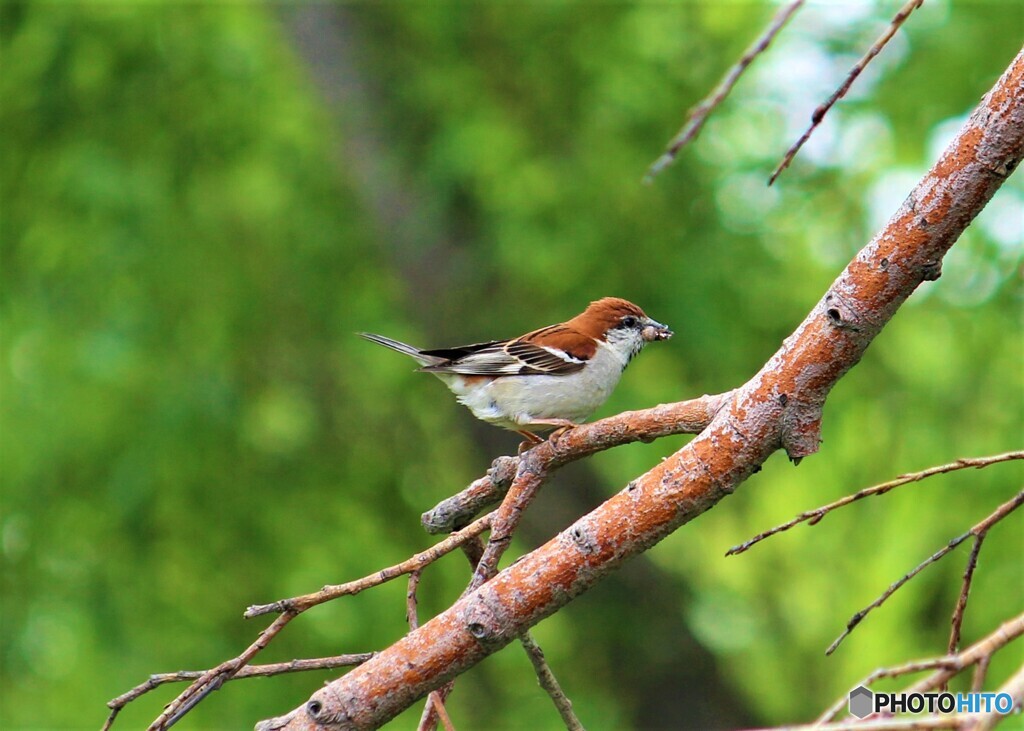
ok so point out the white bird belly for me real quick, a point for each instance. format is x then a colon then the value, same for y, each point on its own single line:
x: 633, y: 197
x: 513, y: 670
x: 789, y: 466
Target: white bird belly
x: 516, y: 402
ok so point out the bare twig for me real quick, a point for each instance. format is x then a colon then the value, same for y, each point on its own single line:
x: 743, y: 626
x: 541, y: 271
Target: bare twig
x: 1014, y: 687
x: 214, y: 678
x: 474, y: 550
x: 549, y: 683
x: 411, y: 602
x: 435, y: 711
x: 524, y: 488
x: 859, y: 616
x: 300, y: 604
x: 980, y: 529
x: 965, y: 589
x: 980, y: 674
x: 411, y: 615
x: 813, y: 516
x: 250, y: 671
x: 288, y: 609
x: 980, y: 651
x: 946, y: 667
x: 819, y: 113
x: 435, y: 703
x: 918, y: 666
x: 697, y: 115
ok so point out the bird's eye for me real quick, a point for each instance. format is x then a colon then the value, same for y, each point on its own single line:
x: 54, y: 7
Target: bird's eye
x: 629, y: 321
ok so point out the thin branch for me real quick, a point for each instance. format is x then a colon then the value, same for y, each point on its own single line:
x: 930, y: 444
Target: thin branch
x: 411, y: 603
x: 980, y: 674
x: 813, y: 516
x: 980, y: 529
x: 524, y: 489
x: 411, y: 615
x: 697, y: 115
x: 300, y: 604
x: 435, y: 703
x: 473, y: 550
x: 965, y: 589
x: 214, y: 678
x: 947, y: 667
x: 452, y: 513
x: 918, y: 666
x: 819, y: 114
x: 859, y: 616
x: 288, y: 609
x: 980, y: 651
x: 1014, y: 687
x: 249, y: 671
x: 549, y: 682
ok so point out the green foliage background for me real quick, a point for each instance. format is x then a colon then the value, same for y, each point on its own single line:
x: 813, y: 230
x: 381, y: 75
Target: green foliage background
x: 201, y: 204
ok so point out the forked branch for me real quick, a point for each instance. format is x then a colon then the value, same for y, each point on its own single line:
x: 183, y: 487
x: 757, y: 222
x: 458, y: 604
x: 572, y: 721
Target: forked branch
x: 780, y: 407
x: 944, y: 669
x: 978, y: 532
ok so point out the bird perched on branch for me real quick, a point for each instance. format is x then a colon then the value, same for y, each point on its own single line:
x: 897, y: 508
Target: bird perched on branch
x: 550, y: 378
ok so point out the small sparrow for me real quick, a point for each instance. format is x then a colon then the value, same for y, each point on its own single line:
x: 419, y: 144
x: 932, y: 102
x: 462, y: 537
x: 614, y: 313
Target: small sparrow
x: 554, y: 377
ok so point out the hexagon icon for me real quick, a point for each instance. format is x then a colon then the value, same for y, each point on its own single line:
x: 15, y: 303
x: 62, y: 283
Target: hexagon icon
x: 861, y: 702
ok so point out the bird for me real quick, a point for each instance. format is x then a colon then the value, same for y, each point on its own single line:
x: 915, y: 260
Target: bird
x: 551, y: 378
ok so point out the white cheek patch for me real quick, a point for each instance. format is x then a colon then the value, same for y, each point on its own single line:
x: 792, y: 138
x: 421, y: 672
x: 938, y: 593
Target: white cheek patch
x: 625, y: 343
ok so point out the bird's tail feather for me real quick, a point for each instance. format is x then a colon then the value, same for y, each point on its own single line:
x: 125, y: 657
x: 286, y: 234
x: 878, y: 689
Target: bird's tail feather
x: 401, y: 347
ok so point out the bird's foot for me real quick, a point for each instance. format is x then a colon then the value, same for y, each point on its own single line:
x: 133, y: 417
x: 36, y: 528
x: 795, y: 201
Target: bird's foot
x: 532, y: 440
x: 562, y: 426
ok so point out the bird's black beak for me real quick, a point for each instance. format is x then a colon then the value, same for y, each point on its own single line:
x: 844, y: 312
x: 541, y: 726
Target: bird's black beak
x: 655, y: 331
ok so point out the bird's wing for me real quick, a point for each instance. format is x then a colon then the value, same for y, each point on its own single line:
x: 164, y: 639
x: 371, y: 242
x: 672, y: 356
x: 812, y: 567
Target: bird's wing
x: 519, y: 357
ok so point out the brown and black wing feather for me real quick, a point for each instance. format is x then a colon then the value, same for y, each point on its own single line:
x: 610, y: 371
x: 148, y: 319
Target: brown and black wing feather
x: 519, y: 357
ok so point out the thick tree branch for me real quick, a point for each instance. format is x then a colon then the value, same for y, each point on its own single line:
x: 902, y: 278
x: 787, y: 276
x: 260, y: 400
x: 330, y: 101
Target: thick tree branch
x: 779, y: 407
